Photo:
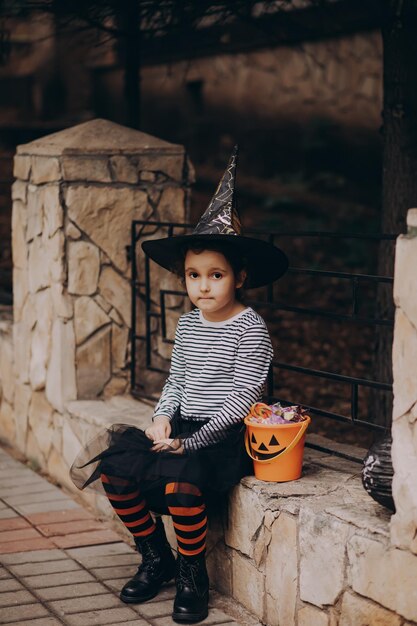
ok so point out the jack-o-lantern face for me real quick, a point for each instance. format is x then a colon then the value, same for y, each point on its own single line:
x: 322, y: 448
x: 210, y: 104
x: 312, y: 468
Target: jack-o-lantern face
x: 268, y: 449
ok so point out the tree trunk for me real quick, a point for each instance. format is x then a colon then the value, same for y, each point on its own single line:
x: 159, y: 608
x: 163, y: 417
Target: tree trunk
x: 131, y: 48
x: 399, y: 187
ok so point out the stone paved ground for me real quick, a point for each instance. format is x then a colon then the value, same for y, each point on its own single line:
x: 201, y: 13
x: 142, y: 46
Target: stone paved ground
x: 59, y: 565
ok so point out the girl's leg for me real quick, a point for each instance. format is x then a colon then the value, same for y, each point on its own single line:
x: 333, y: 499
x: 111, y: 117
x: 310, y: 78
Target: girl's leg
x: 158, y: 563
x: 186, y: 505
x: 125, y: 498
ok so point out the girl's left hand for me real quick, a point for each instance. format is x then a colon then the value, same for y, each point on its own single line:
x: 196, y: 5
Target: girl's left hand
x: 168, y: 445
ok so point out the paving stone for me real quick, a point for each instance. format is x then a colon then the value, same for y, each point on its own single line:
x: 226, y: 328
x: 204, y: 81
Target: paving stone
x: 13, y: 524
x: 137, y: 622
x: 114, y: 548
x: 12, y: 547
x: 49, y: 567
x: 24, y: 478
x: 112, y: 560
x: 66, y: 515
x: 214, y: 617
x: 4, y: 573
x: 41, y: 488
x: 68, y: 606
x: 99, y: 618
x: 19, y: 613
x: 33, y: 557
x: 19, y: 534
x: 86, y: 539
x: 49, y: 495
x: 51, y: 580
x: 44, y: 621
x: 109, y: 573
x: 25, y: 509
x: 154, y: 609
x: 10, y: 584
x: 71, y: 591
x: 8, y: 514
x: 69, y: 528
x: 13, y: 598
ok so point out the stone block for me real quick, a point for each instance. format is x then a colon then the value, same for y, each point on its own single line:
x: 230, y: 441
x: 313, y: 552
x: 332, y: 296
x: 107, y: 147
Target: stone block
x: 45, y: 169
x: 41, y: 340
x: 21, y: 413
x: 125, y: 169
x: 7, y: 423
x: 20, y: 292
x: 310, y: 616
x: 40, y: 421
x: 19, y: 246
x: 386, y: 575
x: 62, y: 302
x: 281, y: 572
x: 7, y: 376
x: 52, y: 210
x: 404, y: 458
x: 116, y: 291
x: 248, y: 584
x: 21, y: 167
x: 21, y: 342
x: 219, y: 566
x: 322, y: 549
x: 356, y: 611
x: 93, y: 364
x: 19, y: 191
x: 404, y: 356
x: 38, y: 269
x: 71, y: 231
x: 171, y: 205
x: 34, y: 213
x: 83, y: 267
x: 171, y: 166
x: 88, y: 318
x: 116, y: 386
x: 85, y: 168
x: 119, y: 341
x: 105, y: 214
x: 116, y: 317
x: 242, y: 530
x: 60, y: 379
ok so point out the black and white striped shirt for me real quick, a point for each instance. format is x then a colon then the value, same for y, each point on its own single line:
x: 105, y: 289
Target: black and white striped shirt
x: 218, y: 370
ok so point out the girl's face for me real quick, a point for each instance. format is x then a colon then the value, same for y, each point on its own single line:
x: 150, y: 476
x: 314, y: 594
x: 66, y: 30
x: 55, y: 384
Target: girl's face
x: 211, y: 284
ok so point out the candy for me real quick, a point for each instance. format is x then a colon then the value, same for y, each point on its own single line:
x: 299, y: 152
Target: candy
x: 261, y: 413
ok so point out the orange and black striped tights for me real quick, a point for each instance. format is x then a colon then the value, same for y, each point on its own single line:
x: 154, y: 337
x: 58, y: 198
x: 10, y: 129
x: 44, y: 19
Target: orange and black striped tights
x: 184, y: 503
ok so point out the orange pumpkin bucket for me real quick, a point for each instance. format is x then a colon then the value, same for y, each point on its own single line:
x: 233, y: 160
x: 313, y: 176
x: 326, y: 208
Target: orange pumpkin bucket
x: 276, y: 449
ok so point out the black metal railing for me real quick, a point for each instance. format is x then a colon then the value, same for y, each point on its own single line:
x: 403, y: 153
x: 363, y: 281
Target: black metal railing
x: 271, y: 304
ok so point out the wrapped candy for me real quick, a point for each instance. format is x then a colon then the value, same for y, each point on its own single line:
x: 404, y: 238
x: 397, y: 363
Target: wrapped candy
x: 262, y: 413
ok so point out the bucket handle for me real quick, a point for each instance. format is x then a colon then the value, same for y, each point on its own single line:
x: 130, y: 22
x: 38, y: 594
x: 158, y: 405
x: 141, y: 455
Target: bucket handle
x: 292, y: 445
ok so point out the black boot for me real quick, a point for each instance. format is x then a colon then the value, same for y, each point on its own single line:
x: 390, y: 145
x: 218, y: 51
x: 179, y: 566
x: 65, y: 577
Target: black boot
x: 191, y: 601
x: 157, y: 567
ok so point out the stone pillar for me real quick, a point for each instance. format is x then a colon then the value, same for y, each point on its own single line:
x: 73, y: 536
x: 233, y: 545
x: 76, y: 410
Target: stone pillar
x: 404, y: 427
x: 75, y: 196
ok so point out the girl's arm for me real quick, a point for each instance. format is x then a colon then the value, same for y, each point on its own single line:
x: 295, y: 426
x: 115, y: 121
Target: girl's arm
x: 254, y: 356
x: 173, y: 389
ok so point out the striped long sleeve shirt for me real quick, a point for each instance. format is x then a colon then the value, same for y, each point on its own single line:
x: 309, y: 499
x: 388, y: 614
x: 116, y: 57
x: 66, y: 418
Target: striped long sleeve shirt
x: 218, y: 370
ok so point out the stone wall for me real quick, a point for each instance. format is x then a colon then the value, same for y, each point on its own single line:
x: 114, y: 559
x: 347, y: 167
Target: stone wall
x: 74, y: 198
x: 315, y: 552
x: 404, y: 428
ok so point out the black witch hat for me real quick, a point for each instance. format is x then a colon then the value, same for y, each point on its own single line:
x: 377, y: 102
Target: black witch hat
x: 220, y: 224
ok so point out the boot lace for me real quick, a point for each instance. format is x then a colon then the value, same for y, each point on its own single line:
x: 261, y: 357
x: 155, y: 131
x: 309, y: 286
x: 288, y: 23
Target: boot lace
x: 150, y: 558
x: 188, y: 574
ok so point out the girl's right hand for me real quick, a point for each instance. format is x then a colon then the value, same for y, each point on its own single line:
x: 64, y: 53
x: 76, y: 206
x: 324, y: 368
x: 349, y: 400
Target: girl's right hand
x: 160, y: 429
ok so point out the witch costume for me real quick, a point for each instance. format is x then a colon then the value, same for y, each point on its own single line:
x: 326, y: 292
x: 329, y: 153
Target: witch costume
x: 218, y: 370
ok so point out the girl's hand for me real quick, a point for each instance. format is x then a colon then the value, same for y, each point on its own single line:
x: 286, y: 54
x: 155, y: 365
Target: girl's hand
x: 160, y: 429
x: 168, y: 445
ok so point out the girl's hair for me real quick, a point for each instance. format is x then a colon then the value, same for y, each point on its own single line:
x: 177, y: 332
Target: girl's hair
x: 234, y: 258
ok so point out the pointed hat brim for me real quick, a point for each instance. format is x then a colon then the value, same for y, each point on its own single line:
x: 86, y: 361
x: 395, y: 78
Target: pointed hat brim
x: 264, y: 262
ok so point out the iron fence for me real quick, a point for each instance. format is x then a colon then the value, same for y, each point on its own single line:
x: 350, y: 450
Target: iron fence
x: 266, y: 300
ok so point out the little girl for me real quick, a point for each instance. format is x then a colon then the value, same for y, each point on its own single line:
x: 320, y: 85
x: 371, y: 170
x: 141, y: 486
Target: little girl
x: 194, y: 447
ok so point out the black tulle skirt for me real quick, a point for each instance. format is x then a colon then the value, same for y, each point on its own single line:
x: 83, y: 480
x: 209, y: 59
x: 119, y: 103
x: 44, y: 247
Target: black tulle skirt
x: 124, y: 452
